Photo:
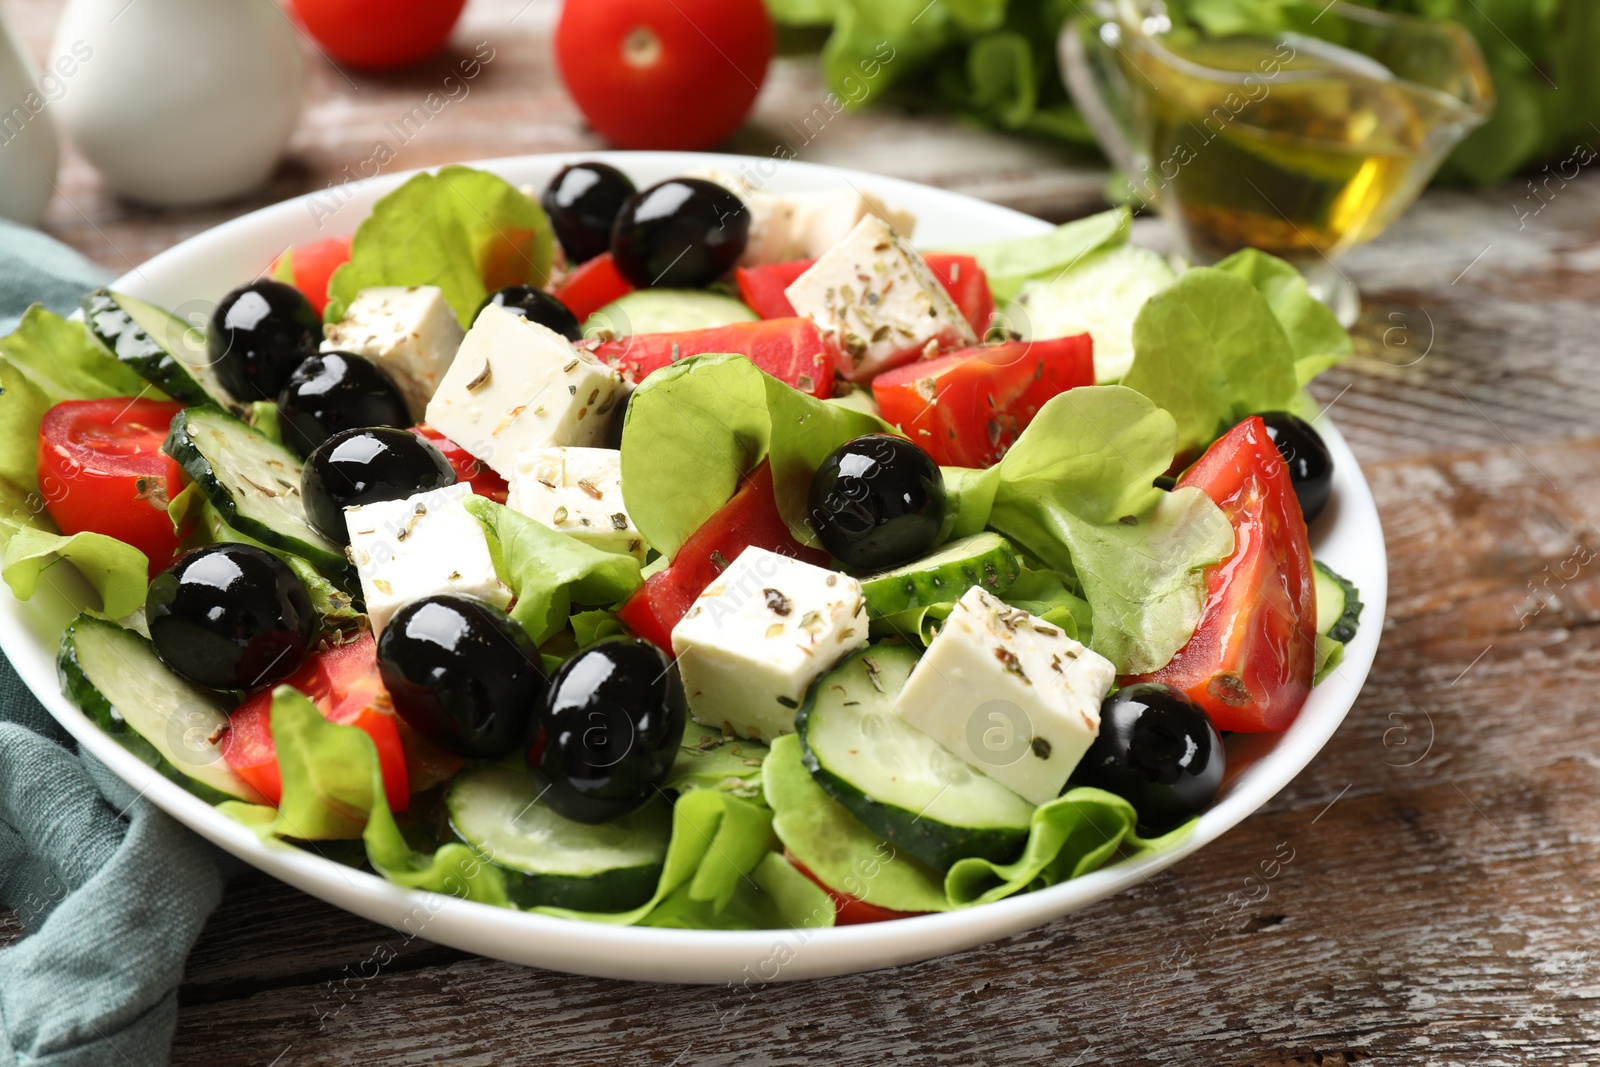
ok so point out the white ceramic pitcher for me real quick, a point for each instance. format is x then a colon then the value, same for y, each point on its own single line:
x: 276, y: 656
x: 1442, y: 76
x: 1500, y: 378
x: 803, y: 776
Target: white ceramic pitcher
x: 182, y: 101
x: 28, y: 150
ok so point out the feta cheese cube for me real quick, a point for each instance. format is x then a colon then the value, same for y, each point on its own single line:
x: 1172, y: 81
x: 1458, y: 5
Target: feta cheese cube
x: 757, y: 638
x: 517, y: 385
x: 579, y: 492
x: 419, y: 546
x: 879, y: 301
x: 1010, y: 694
x: 785, y: 227
x: 411, y: 333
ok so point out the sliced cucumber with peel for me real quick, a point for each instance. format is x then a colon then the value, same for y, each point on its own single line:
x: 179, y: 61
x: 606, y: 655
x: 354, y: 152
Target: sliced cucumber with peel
x: 666, y: 311
x: 1338, y: 618
x: 160, y: 347
x: 252, y: 481
x: 115, y: 677
x: 551, y: 861
x: 899, y: 782
x: 984, y: 559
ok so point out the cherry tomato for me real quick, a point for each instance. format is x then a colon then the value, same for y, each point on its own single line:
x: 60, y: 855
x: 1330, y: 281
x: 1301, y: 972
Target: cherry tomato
x: 791, y: 350
x: 967, y: 408
x: 592, y: 286
x: 101, y: 470
x: 379, y: 34
x: 749, y: 518
x: 1250, y: 661
x: 675, y: 75
x: 484, y: 481
x: 849, y: 910
x: 309, y: 267
x: 344, y: 684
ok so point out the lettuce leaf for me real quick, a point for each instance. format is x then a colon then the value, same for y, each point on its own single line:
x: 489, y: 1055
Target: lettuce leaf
x: 774, y: 896
x: 1210, y: 350
x: 118, y: 572
x: 1011, y: 262
x: 717, y: 416
x: 467, y: 231
x: 1076, y: 493
x: 707, y: 760
x: 550, y: 572
x: 1317, y: 339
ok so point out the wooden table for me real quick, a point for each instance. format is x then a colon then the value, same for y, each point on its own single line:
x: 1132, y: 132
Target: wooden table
x: 1439, y: 904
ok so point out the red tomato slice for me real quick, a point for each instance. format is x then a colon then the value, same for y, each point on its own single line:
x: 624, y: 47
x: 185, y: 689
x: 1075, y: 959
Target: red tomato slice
x: 849, y: 910
x: 311, y: 266
x: 1250, y: 661
x: 763, y: 288
x: 484, y: 481
x: 791, y: 350
x: 749, y: 518
x: 345, y: 685
x: 101, y: 470
x: 967, y: 408
x: 675, y: 75
x: 592, y: 285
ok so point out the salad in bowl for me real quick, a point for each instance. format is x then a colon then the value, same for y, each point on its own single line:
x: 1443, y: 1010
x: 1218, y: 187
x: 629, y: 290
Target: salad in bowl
x: 692, y: 555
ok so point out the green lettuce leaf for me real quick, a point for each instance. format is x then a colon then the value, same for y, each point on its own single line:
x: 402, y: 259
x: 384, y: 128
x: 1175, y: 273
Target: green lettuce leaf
x: 1210, y: 350
x: 590, y: 626
x: 1013, y: 261
x: 718, y: 416
x: 550, y: 572
x: 829, y: 841
x: 707, y: 760
x: 1072, y: 835
x: 118, y: 572
x: 1314, y: 333
x: 467, y: 231
x: 1076, y: 492
x: 774, y: 896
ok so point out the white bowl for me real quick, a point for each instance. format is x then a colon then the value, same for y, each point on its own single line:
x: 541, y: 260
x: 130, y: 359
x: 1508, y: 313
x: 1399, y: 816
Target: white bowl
x: 1348, y: 538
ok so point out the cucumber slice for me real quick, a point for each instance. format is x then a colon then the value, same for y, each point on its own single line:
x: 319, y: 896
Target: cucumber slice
x: 555, y: 862
x: 252, y: 481
x: 1338, y: 604
x: 899, y: 782
x: 1101, y: 294
x: 115, y: 677
x: 984, y: 559
x: 159, y: 346
x: 666, y: 311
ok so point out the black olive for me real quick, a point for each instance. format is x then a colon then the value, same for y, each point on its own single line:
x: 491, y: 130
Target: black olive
x: 463, y: 674
x: 1157, y: 751
x: 684, y: 233
x: 259, y: 334
x: 610, y: 725
x: 364, y: 466
x: 535, y: 305
x: 877, y: 502
x: 1310, y: 462
x: 582, y: 201
x: 230, y: 617
x: 337, y: 391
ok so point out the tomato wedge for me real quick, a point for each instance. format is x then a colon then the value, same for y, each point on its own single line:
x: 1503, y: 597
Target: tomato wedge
x: 763, y: 288
x: 101, y: 470
x: 791, y: 350
x: 1250, y: 661
x: 849, y: 910
x: 592, y: 285
x: 749, y: 518
x: 967, y: 408
x: 345, y: 685
x: 309, y: 268
x: 468, y: 468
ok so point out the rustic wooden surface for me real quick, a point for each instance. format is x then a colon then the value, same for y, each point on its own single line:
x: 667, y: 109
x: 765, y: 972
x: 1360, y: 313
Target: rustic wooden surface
x: 1434, y: 895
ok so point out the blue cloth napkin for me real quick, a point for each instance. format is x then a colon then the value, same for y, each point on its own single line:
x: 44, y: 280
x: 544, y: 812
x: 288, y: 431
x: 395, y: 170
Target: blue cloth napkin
x: 111, y: 892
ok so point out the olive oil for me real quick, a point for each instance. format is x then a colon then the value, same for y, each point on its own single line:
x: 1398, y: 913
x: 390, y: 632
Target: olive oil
x: 1288, y: 144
